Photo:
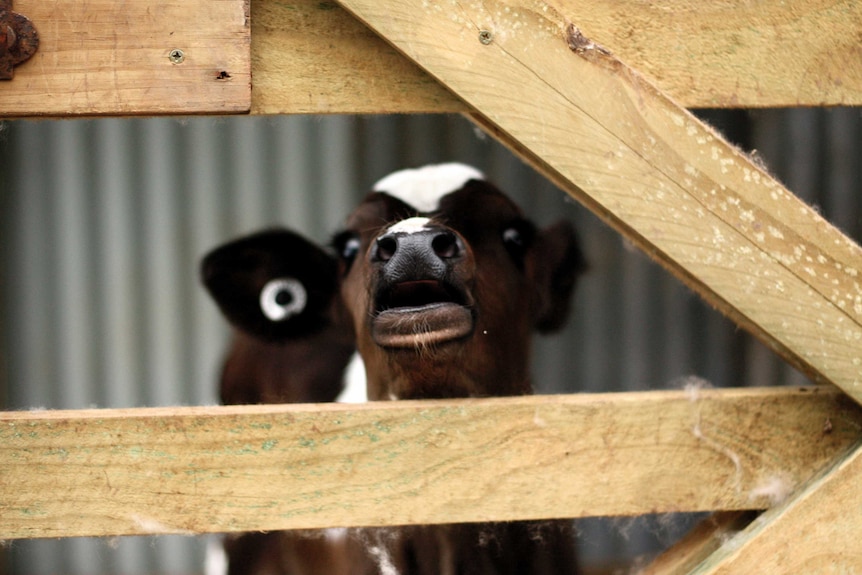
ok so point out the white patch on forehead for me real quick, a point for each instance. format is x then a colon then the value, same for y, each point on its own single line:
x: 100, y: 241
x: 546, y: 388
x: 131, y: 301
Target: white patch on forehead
x: 409, y: 226
x: 422, y: 188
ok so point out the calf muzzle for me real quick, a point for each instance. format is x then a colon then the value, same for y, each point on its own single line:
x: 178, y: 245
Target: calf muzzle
x: 423, y: 274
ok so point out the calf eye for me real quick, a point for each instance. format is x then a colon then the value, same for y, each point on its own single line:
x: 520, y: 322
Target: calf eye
x: 282, y: 298
x: 347, y: 245
x: 517, y: 239
x: 513, y: 238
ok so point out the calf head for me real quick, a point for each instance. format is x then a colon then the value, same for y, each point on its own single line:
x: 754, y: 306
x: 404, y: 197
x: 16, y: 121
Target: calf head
x: 274, y: 285
x: 437, y: 276
x: 292, y: 342
x: 445, y: 279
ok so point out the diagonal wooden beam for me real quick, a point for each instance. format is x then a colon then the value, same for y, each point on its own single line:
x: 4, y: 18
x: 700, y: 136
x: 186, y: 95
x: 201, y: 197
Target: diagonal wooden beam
x: 701, y: 542
x: 816, y: 531
x: 671, y: 184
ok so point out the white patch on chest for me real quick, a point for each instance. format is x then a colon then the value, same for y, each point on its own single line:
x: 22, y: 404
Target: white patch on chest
x: 422, y: 188
x: 215, y: 560
x: 335, y: 534
x: 355, y: 387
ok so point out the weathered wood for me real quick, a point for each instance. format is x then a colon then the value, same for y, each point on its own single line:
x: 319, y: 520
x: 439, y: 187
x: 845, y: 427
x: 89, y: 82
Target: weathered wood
x: 734, y: 54
x: 312, y: 57
x: 109, y: 57
x: 111, y: 472
x: 699, y: 543
x: 649, y: 168
x: 816, y: 531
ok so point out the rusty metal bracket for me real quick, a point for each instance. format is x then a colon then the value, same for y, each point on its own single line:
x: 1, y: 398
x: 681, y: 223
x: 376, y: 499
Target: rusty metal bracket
x: 18, y: 39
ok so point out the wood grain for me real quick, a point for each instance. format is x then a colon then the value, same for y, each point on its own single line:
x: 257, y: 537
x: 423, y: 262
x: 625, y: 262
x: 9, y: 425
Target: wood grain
x: 815, y: 531
x: 313, y: 57
x: 109, y: 57
x: 734, y: 54
x: 672, y: 185
x: 184, y: 470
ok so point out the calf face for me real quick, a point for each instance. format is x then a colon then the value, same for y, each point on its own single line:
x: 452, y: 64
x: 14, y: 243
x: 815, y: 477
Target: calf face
x: 445, y: 280
x: 292, y: 341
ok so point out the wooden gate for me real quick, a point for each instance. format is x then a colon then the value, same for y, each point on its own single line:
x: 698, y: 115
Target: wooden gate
x: 591, y: 94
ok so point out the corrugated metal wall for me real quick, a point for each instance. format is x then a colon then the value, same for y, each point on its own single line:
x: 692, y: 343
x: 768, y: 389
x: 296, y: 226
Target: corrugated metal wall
x: 103, y: 222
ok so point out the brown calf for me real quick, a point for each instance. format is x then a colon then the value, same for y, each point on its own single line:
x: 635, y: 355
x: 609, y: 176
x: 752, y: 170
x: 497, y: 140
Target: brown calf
x: 439, y: 280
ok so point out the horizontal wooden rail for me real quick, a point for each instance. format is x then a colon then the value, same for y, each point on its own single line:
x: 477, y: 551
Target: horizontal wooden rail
x: 213, y: 469
x: 310, y: 56
x: 133, y: 57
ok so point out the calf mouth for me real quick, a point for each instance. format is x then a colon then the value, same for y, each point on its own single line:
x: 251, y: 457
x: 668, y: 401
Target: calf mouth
x: 420, y: 314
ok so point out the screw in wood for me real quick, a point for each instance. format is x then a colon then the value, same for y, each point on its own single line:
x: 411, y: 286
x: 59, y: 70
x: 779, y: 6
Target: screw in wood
x: 485, y: 37
x: 177, y: 56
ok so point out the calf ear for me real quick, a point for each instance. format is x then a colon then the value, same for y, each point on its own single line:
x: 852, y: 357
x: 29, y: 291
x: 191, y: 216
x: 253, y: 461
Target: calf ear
x: 558, y: 262
x: 274, y: 285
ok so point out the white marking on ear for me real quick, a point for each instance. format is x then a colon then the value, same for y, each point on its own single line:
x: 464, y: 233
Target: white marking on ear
x: 282, y: 298
x: 409, y: 226
x: 422, y: 188
x: 355, y: 387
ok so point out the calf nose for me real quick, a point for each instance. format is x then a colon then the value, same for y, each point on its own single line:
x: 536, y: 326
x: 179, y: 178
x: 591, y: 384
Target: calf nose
x: 443, y: 244
x: 426, y: 251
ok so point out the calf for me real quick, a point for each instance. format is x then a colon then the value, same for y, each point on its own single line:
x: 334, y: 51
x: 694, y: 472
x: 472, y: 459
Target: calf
x: 439, y: 280
x: 292, y: 344
x: 290, y: 347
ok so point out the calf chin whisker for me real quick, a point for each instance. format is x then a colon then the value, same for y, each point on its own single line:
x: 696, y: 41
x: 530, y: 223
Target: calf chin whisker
x: 424, y: 346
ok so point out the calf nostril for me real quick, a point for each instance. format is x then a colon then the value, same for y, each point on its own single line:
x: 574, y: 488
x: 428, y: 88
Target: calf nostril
x: 386, y: 247
x: 445, y: 245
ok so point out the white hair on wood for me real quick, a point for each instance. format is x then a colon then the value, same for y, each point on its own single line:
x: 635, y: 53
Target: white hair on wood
x: 693, y: 386
x: 774, y: 488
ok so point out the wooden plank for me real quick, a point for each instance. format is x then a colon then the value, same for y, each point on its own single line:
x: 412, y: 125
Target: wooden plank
x: 109, y: 57
x: 312, y: 57
x: 816, y: 531
x: 734, y: 54
x: 182, y: 470
x: 648, y: 167
x: 706, y: 537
